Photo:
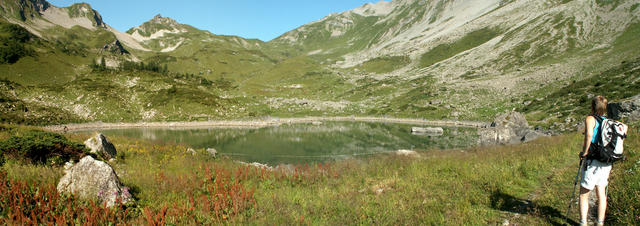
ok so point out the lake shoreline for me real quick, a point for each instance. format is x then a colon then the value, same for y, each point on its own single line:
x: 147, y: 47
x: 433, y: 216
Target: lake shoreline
x: 258, y: 123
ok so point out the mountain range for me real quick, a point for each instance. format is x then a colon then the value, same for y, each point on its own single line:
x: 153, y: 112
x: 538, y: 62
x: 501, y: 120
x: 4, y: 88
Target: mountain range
x: 436, y: 59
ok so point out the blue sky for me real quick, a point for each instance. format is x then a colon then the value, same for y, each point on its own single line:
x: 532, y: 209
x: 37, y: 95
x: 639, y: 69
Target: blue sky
x: 262, y: 19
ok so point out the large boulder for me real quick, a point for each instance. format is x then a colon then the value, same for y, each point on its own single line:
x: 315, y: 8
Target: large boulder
x: 511, y: 120
x: 496, y: 135
x: 93, y: 179
x: 101, y: 146
x: 629, y: 109
x: 508, y: 128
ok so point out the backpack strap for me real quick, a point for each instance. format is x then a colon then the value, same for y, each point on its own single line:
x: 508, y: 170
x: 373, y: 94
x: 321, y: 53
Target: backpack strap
x: 598, y: 118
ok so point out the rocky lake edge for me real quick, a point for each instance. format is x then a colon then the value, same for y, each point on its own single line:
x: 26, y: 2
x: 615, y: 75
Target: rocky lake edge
x: 259, y: 123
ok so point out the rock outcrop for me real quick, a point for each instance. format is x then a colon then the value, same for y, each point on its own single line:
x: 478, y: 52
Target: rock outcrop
x: 508, y: 128
x: 116, y: 48
x: 212, y: 151
x: 629, y: 109
x: 93, y: 179
x: 101, y: 146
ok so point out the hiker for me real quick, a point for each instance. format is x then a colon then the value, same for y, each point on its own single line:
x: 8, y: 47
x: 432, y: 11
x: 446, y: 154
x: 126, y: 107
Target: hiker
x: 596, y: 174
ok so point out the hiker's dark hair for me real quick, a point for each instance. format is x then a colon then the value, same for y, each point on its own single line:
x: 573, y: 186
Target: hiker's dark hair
x: 599, y: 105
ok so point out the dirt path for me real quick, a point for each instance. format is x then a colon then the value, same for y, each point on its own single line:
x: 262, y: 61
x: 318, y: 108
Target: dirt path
x: 258, y: 123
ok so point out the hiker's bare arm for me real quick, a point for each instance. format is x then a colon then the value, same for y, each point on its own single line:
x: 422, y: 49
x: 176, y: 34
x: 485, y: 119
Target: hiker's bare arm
x: 589, y: 123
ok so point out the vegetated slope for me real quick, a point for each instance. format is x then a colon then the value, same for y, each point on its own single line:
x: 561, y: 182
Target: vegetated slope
x: 449, y: 59
x: 564, y: 109
x: 408, y: 58
x: 64, y: 41
x: 189, y: 50
x: 15, y: 110
x: 135, y: 95
x: 66, y: 65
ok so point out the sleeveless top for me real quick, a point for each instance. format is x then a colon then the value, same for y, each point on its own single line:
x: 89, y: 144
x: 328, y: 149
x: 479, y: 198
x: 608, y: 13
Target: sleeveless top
x: 596, y: 131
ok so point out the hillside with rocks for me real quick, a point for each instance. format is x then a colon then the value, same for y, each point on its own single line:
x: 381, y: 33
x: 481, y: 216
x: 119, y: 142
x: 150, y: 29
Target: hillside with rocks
x: 477, y: 56
x: 467, y: 60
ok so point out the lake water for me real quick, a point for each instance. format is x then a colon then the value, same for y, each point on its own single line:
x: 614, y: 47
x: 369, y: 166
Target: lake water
x: 305, y: 143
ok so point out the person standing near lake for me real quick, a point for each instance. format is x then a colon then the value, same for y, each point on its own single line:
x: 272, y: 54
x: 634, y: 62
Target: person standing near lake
x: 596, y: 174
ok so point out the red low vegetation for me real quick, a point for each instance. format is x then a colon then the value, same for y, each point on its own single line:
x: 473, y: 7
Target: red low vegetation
x: 212, y: 195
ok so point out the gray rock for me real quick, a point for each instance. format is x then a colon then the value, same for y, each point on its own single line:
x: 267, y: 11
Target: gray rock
x: 512, y: 119
x: 101, y: 146
x: 508, y: 128
x: 432, y: 131
x: 495, y: 135
x: 93, y: 179
x: 531, y: 135
x: 115, y: 47
x: 212, y: 152
x: 629, y: 109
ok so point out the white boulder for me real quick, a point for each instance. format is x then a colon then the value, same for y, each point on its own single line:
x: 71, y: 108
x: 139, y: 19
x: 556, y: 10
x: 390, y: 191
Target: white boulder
x: 101, y: 146
x: 93, y: 179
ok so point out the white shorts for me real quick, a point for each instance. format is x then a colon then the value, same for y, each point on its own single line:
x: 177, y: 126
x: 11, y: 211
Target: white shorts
x: 597, y: 174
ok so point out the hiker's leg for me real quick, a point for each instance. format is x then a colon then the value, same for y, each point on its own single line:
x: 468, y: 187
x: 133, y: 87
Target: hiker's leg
x: 602, y: 201
x: 584, y: 203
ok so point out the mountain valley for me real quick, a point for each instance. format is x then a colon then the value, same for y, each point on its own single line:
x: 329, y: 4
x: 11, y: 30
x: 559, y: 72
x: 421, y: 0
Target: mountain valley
x: 466, y: 60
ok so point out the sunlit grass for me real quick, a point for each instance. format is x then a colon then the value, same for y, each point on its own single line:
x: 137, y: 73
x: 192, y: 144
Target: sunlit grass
x: 525, y: 184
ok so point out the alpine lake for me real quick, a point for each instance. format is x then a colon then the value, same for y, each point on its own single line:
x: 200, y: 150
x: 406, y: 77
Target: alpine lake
x: 305, y: 142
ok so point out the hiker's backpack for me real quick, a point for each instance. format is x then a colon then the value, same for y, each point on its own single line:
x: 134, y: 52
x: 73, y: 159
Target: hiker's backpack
x: 608, y: 147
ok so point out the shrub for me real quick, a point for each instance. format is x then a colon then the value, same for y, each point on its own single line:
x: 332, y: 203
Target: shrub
x: 12, y: 46
x: 40, y: 147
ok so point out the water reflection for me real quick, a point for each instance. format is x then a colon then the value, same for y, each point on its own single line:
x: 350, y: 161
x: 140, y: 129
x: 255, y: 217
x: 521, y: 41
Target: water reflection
x: 305, y: 143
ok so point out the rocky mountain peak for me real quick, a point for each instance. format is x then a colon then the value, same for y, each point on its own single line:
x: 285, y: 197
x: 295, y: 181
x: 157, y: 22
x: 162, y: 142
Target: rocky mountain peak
x: 159, y: 19
x: 378, y: 9
x: 39, y: 5
x: 23, y: 9
x: 85, y: 10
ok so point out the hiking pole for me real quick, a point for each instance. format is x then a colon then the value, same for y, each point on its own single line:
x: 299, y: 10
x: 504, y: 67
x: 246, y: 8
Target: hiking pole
x: 575, y: 183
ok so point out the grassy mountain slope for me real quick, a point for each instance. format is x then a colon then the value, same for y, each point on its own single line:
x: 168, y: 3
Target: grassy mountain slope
x: 438, y: 59
x: 512, y: 52
x: 189, y: 50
